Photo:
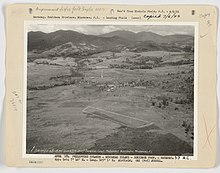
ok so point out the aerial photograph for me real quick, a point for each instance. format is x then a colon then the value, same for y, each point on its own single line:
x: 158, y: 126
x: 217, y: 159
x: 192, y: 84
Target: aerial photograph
x: 110, y: 89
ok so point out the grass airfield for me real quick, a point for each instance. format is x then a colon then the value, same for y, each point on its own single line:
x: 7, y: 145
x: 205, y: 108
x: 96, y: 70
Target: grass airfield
x: 108, y: 111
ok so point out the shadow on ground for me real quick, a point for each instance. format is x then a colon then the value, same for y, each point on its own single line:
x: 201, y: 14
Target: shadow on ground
x: 151, y: 139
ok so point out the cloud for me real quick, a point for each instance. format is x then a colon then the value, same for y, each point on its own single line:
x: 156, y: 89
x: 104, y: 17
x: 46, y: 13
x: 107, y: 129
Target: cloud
x: 81, y: 29
x: 107, y: 29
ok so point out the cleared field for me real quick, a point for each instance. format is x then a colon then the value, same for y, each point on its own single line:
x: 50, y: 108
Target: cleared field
x: 110, y: 109
x: 56, y: 122
x: 40, y: 74
x: 116, y: 117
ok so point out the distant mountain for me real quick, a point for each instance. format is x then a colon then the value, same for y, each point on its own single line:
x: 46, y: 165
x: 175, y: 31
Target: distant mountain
x: 72, y: 43
x: 179, y: 38
x: 46, y: 41
x: 149, y: 36
x: 121, y: 33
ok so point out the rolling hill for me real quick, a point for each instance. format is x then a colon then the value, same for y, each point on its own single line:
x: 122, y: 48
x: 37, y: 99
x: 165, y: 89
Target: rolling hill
x: 150, y: 36
x: 45, y: 41
x: 71, y: 43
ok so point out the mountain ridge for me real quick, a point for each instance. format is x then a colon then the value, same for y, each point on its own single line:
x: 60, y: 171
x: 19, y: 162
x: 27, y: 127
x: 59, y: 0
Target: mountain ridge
x: 42, y: 41
x: 149, y: 36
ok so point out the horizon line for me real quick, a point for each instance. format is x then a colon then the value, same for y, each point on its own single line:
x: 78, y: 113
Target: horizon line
x: 110, y: 32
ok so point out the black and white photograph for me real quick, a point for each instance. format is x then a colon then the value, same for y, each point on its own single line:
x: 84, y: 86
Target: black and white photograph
x: 110, y: 89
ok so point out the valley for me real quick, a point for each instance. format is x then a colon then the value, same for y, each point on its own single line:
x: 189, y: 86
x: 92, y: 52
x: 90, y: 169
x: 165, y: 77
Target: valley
x: 122, y: 92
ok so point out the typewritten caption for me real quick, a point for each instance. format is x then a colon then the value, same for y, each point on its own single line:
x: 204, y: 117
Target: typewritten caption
x: 72, y: 13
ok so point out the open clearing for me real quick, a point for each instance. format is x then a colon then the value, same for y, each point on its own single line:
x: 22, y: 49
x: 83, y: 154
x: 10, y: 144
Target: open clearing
x: 112, y: 108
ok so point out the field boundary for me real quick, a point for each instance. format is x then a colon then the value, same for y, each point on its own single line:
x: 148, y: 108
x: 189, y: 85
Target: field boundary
x: 147, y: 123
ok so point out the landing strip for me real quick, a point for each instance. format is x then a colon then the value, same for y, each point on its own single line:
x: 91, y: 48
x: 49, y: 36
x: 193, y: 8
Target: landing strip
x: 117, y: 118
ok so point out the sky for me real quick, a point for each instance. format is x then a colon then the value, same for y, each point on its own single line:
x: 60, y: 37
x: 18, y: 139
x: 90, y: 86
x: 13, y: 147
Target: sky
x: 102, y: 29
